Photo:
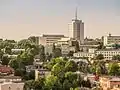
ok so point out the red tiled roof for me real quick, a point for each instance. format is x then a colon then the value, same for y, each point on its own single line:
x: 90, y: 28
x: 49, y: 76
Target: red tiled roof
x: 5, y: 69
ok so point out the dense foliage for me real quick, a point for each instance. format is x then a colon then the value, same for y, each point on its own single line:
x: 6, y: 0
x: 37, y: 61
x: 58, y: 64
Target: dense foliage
x: 63, y: 76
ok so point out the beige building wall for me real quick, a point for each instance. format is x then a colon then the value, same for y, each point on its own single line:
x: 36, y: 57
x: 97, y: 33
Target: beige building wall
x: 49, y: 39
x: 12, y: 86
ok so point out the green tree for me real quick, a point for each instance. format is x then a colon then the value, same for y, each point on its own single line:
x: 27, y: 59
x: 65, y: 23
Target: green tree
x: 1, y: 54
x: 14, y: 63
x: 51, y: 83
x: 5, y: 60
x: 117, y: 57
x: 77, y: 48
x: 72, y: 78
x: 70, y: 54
x: 117, y: 46
x: 66, y: 85
x: 58, y: 70
x: 25, y: 43
x: 99, y: 57
x: 39, y: 84
x: 71, y: 66
x: 8, y: 50
x: 29, y: 85
x: 33, y: 39
x: 26, y: 58
x: 42, y: 53
x: 114, y: 69
x: 53, y: 62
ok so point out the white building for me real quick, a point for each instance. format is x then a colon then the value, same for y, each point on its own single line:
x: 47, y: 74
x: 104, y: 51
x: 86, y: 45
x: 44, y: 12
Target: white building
x: 111, y: 39
x: 84, y: 54
x: 90, y: 54
x: 76, y: 29
x: 108, y: 53
x: 63, y: 41
x: 49, y: 39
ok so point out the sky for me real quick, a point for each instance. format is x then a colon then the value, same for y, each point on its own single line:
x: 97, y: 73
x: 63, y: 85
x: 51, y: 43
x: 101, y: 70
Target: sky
x: 23, y: 18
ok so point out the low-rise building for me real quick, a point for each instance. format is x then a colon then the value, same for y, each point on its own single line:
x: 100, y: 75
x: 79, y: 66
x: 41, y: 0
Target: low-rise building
x: 64, y: 41
x: 84, y: 54
x: 90, y: 54
x: 85, y: 48
x: 49, y: 39
x: 111, y: 39
x: 109, y: 82
x: 108, y: 53
x: 11, y: 86
x: 11, y: 83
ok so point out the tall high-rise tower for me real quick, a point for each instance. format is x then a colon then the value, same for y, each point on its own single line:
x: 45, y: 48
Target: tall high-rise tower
x: 76, y: 29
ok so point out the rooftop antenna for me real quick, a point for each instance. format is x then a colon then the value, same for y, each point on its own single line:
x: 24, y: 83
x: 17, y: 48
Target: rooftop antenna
x: 76, y: 14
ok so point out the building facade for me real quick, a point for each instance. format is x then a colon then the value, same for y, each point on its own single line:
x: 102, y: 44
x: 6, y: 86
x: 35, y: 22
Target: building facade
x: 108, y: 53
x: 76, y: 29
x: 84, y: 54
x: 109, y: 83
x: 49, y: 39
x: 11, y: 83
x: 111, y: 40
x: 91, y: 53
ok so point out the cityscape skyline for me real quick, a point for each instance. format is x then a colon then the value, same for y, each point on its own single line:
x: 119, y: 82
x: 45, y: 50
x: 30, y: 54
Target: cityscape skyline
x: 21, y: 19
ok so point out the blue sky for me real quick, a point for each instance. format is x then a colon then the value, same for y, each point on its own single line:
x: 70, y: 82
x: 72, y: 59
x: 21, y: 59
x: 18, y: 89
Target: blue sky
x: 22, y: 18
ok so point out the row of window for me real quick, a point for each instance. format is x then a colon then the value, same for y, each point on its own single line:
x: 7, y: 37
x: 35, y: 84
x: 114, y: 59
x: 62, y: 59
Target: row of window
x: 85, y: 55
x: 112, y: 52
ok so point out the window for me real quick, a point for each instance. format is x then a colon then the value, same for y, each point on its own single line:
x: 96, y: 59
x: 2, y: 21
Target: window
x: 9, y: 88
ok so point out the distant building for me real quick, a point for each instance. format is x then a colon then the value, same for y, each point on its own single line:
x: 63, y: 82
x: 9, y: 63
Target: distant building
x: 63, y: 41
x: 76, y: 29
x: 108, y: 53
x: 84, y: 54
x: 49, y: 39
x: 85, y: 48
x: 90, y: 54
x: 88, y: 41
x: 111, y: 40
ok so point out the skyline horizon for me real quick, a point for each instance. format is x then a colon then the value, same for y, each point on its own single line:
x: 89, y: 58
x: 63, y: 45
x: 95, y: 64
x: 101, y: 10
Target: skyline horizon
x: 21, y: 19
